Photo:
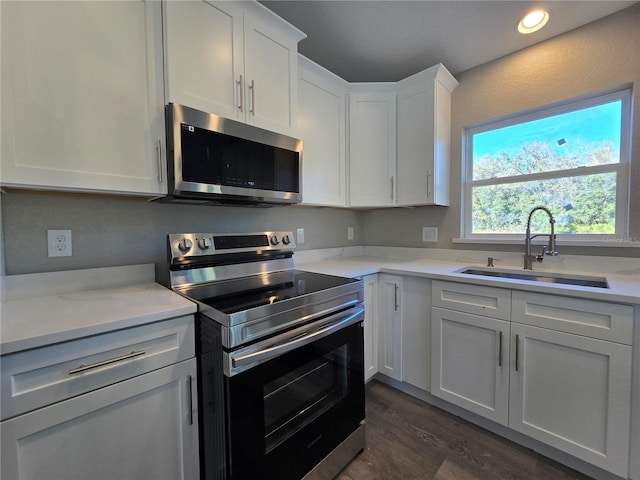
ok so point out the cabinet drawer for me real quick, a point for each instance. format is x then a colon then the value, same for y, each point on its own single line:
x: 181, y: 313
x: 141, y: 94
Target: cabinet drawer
x: 34, y: 378
x: 462, y: 297
x: 602, y: 320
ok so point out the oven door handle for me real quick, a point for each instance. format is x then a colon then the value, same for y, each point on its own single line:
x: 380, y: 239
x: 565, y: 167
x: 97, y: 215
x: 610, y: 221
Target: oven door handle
x: 300, y: 337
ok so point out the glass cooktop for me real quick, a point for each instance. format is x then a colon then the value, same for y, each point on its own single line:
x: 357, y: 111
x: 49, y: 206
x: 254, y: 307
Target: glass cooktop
x: 303, y: 283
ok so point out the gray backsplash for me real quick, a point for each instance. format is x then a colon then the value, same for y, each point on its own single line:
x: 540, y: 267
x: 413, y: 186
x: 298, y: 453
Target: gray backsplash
x: 111, y: 231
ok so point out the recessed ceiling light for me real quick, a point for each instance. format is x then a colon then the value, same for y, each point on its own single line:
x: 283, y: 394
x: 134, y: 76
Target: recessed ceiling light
x: 533, y: 21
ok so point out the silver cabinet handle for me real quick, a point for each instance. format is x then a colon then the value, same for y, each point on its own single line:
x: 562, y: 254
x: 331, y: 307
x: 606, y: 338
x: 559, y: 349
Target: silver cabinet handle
x: 120, y: 358
x: 428, y: 183
x: 500, y: 351
x: 391, y: 188
x: 189, y: 386
x: 241, y: 94
x: 159, y: 157
x: 517, y: 341
x: 395, y: 298
x: 252, y: 87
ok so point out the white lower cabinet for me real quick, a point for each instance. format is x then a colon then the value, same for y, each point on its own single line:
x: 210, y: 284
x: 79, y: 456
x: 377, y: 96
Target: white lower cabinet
x: 119, y: 405
x: 404, y: 329
x: 370, y: 326
x: 470, y: 365
x: 634, y: 464
x: 390, y: 326
x: 572, y: 392
x: 556, y: 385
x: 142, y: 428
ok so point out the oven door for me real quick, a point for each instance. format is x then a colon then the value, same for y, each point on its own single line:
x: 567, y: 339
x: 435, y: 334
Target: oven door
x: 288, y: 411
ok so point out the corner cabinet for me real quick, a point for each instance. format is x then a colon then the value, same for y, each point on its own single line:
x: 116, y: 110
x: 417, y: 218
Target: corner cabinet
x: 566, y: 383
x: 424, y: 134
x: 235, y: 59
x: 416, y: 332
x: 119, y: 405
x: 322, y: 128
x: 82, y: 96
x: 399, y: 137
x: 390, y: 327
x: 404, y: 329
x: 372, y: 145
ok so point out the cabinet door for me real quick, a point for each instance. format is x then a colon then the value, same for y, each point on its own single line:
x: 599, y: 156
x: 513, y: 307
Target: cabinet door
x: 372, y: 151
x: 415, y: 143
x: 204, y: 60
x: 82, y: 96
x: 634, y: 464
x: 469, y: 362
x: 573, y: 393
x: 321, y: 126
x: 390, y: 332
x: 370, y: 326
x: 142, y: 428
x: 271, y: 69
x: 416, y: 332
x: 424, y: 131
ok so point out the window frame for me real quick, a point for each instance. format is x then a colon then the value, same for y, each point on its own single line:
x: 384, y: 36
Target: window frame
x: 621, y: 168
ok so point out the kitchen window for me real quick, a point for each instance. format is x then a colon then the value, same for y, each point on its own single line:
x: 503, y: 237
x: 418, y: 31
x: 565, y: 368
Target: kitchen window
x: 571, y: 157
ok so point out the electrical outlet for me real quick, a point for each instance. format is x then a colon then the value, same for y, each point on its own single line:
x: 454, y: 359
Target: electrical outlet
x: 349, y: 233
x: 300, y: 235
x: 59, y: 243
x: 429, y: 234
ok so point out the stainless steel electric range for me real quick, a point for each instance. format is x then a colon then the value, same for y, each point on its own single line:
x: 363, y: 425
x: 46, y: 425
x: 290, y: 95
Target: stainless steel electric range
x: 280, y: 357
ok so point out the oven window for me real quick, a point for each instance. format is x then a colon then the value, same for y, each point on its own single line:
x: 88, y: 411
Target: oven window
x: 300, y: 396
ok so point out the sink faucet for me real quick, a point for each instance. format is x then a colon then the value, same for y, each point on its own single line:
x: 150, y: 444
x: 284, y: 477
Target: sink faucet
x: 550, y: 249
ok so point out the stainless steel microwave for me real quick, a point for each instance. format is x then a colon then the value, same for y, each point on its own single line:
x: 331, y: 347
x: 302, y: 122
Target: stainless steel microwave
x: 214, y: 160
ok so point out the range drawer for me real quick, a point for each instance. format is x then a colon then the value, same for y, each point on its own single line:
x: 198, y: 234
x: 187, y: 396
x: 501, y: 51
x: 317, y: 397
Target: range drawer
x: 35, y: 378
x: 601, y: 320
x: 477, y: 299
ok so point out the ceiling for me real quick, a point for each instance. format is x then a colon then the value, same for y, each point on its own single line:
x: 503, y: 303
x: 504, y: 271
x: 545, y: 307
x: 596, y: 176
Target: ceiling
x: 387, y: 40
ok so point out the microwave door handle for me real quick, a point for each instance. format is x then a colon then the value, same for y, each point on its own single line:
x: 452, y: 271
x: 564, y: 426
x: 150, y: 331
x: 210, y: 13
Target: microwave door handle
x: 307, y: 336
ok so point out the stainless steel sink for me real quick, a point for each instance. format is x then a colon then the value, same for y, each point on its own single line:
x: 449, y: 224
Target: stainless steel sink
x: 545, y: 277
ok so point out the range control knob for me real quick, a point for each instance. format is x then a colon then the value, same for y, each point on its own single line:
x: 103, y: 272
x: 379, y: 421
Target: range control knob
x: 185, y: 245
x: 204, y: 243
x: 286, y: 239
x: 275, y: 240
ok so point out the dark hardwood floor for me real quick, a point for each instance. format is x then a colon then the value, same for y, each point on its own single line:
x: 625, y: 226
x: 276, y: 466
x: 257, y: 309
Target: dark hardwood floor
x: 409, y: 439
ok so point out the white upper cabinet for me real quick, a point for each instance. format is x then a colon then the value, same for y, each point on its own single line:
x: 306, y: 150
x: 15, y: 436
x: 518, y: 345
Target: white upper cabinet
x: 204, y: 55
x: 399, y: 147
x: 82, y: 96
x: 322, y: 128
x: 424, y: 131
x: 372, y: 149
x: 235, y: 59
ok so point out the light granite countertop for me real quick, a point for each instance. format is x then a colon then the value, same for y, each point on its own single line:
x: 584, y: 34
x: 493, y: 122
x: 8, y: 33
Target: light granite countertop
x: 622, y: 288
x: 42, y: 309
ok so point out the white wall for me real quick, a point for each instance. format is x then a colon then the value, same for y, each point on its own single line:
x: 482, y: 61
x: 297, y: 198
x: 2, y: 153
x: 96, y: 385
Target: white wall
x: 596, y: 57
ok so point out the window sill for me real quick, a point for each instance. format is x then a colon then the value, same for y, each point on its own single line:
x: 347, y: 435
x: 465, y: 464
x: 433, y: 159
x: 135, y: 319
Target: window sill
x: 612, y: 243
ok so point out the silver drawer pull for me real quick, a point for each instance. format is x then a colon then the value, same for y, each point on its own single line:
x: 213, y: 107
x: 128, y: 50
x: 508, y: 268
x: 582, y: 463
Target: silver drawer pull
x: 126, y: 356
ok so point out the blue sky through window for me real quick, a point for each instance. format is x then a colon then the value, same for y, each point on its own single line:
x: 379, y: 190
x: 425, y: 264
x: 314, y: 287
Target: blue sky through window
x: 565, y: 133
